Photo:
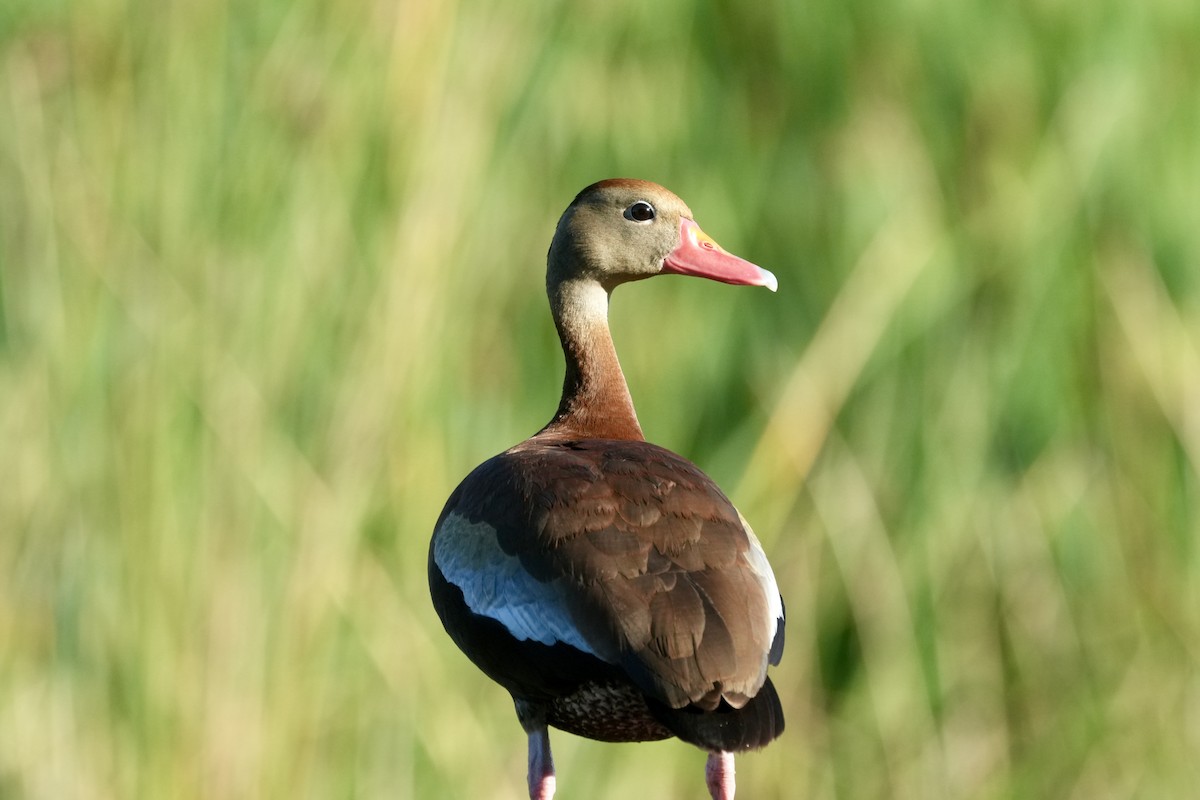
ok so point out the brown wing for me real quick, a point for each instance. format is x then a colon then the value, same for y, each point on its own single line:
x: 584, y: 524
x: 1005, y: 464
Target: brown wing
x: 652, y: 561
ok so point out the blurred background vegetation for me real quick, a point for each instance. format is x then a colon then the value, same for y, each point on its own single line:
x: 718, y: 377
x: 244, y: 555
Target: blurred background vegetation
x: 271, y: 284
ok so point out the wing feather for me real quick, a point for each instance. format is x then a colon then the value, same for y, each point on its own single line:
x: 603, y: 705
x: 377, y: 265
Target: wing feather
x: 629, y: 551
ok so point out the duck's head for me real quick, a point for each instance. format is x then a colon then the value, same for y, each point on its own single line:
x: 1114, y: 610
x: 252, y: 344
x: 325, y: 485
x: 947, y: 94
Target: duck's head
x: 622, y: 230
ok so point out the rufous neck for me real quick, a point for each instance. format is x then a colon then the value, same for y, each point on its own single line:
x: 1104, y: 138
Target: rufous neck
x: 595, y: 400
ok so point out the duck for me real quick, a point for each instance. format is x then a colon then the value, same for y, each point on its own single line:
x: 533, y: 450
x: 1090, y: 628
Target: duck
x: 605, y: 582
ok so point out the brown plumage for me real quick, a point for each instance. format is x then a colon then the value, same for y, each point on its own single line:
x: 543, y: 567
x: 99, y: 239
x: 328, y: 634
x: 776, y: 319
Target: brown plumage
x: 606, y: 582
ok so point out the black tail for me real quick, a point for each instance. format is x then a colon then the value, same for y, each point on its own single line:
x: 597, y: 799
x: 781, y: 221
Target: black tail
x: 726, y: 728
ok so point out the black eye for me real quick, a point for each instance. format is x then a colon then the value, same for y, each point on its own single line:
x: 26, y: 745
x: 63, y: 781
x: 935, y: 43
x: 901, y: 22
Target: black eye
x: 641, y: 211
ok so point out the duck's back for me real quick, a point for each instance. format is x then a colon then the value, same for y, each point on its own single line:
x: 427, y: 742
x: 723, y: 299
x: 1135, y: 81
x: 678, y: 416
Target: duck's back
x: 611, y: 586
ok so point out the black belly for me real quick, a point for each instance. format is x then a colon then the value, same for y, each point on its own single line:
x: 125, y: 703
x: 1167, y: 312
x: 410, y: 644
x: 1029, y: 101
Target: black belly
x: 607, y: 713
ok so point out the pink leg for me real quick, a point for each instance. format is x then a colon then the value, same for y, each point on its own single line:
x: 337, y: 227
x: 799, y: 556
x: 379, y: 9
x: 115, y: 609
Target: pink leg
x: 541, y: 765
x: 718, y: 774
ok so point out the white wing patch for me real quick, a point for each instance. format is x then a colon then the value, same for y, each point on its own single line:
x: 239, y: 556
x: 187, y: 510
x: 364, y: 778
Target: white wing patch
x: 757, y: 561
x: 495, y: 585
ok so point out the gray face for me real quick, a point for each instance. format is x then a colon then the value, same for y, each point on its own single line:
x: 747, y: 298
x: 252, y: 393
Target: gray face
x: 616, y: 231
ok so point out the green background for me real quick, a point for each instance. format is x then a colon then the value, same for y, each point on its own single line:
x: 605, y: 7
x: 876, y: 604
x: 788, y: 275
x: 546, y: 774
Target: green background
x: 271, y: 283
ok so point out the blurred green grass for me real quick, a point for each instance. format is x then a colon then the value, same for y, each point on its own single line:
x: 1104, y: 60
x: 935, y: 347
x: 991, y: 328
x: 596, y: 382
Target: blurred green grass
x: 271, y: 283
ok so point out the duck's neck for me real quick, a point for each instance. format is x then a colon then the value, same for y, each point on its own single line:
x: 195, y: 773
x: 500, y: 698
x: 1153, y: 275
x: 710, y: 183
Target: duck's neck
x: 595, y: 399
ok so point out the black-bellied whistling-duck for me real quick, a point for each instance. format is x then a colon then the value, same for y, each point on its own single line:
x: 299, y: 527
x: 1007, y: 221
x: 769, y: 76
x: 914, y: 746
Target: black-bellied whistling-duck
x: 605, y: 582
